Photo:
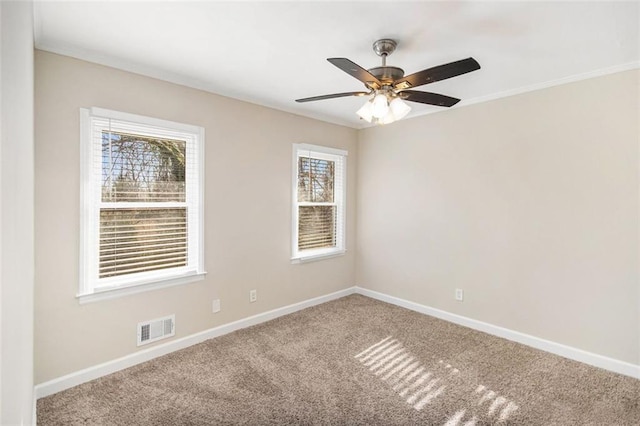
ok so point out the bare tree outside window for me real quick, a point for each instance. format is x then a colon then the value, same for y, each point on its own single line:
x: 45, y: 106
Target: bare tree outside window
x: 136, y: 168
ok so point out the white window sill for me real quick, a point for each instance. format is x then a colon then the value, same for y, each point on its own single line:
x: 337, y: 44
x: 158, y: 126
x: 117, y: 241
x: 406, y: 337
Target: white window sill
x: 112, y: 293
x: 312, y: 257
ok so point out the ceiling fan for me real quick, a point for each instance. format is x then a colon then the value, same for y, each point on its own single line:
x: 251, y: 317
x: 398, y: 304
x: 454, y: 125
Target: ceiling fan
x: 388, y: 86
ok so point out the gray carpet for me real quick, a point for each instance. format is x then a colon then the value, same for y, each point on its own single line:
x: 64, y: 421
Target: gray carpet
x: 352, y: 361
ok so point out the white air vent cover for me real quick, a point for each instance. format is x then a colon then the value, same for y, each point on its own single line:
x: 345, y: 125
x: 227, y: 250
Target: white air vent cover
x: 157, y: 329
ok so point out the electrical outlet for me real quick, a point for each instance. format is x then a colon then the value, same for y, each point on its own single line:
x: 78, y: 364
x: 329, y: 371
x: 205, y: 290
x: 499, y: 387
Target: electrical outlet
x: 459, y: 294
x: 216, y: 306
x: 253, y: 295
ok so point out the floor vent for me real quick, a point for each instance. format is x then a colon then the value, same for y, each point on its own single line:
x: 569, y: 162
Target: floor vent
x: 157, y: 329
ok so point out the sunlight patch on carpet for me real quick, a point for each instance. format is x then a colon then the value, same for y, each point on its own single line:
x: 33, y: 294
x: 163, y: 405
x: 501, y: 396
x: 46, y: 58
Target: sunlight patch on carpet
x: 420, y: 386
x: 390, y: 360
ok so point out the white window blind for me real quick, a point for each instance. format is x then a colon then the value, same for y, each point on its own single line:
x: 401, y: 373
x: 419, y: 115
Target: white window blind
x: 142, y: 200
x: 143, y: 239
x: 319, y: 201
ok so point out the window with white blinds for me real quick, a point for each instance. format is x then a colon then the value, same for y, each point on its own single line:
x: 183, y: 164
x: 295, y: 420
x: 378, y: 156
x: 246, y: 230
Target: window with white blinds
x: 142, y: 186
x: 319, y: 201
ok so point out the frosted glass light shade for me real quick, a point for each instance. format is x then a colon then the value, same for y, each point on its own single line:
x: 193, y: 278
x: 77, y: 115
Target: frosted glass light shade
x: 399, y: 108
x: 387, y: 119
x: 379, y: 105
x: 366, y: 112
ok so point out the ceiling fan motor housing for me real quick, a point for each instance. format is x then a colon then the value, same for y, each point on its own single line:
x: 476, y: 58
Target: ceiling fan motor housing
x: 387, y: 75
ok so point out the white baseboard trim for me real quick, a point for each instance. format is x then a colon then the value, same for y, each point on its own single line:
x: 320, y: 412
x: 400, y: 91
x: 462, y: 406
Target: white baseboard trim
x: 575, y: 354
x: 73, y: 379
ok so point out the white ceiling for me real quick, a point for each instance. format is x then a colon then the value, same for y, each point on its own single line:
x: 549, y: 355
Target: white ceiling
x: 271, y: 53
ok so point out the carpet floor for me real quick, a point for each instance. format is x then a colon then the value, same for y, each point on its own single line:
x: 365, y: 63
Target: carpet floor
x: 352, y: 361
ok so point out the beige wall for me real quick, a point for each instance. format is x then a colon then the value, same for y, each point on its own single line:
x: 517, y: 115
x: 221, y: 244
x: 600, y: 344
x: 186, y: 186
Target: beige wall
x: 528, y: 203
x: 247, y: 218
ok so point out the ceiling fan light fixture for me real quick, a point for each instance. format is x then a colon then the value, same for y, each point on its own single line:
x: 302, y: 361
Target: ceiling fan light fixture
x: 394, y: 109
x: 380, y: 105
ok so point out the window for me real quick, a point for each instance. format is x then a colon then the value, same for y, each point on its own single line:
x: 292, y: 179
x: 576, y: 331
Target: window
x: 319, y: 193
x: 142, y: 203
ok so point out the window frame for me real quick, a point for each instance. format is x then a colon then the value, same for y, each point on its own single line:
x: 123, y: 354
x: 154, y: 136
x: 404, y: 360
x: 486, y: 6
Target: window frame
x: 340, y: 200
x: 91, y: 287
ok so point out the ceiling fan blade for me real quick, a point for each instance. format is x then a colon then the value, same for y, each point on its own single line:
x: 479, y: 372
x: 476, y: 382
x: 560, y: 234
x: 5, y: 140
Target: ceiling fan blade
x: 356, y: 71
x: 441, y: 72
x: 335, y: 95
x: 428, y: 98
